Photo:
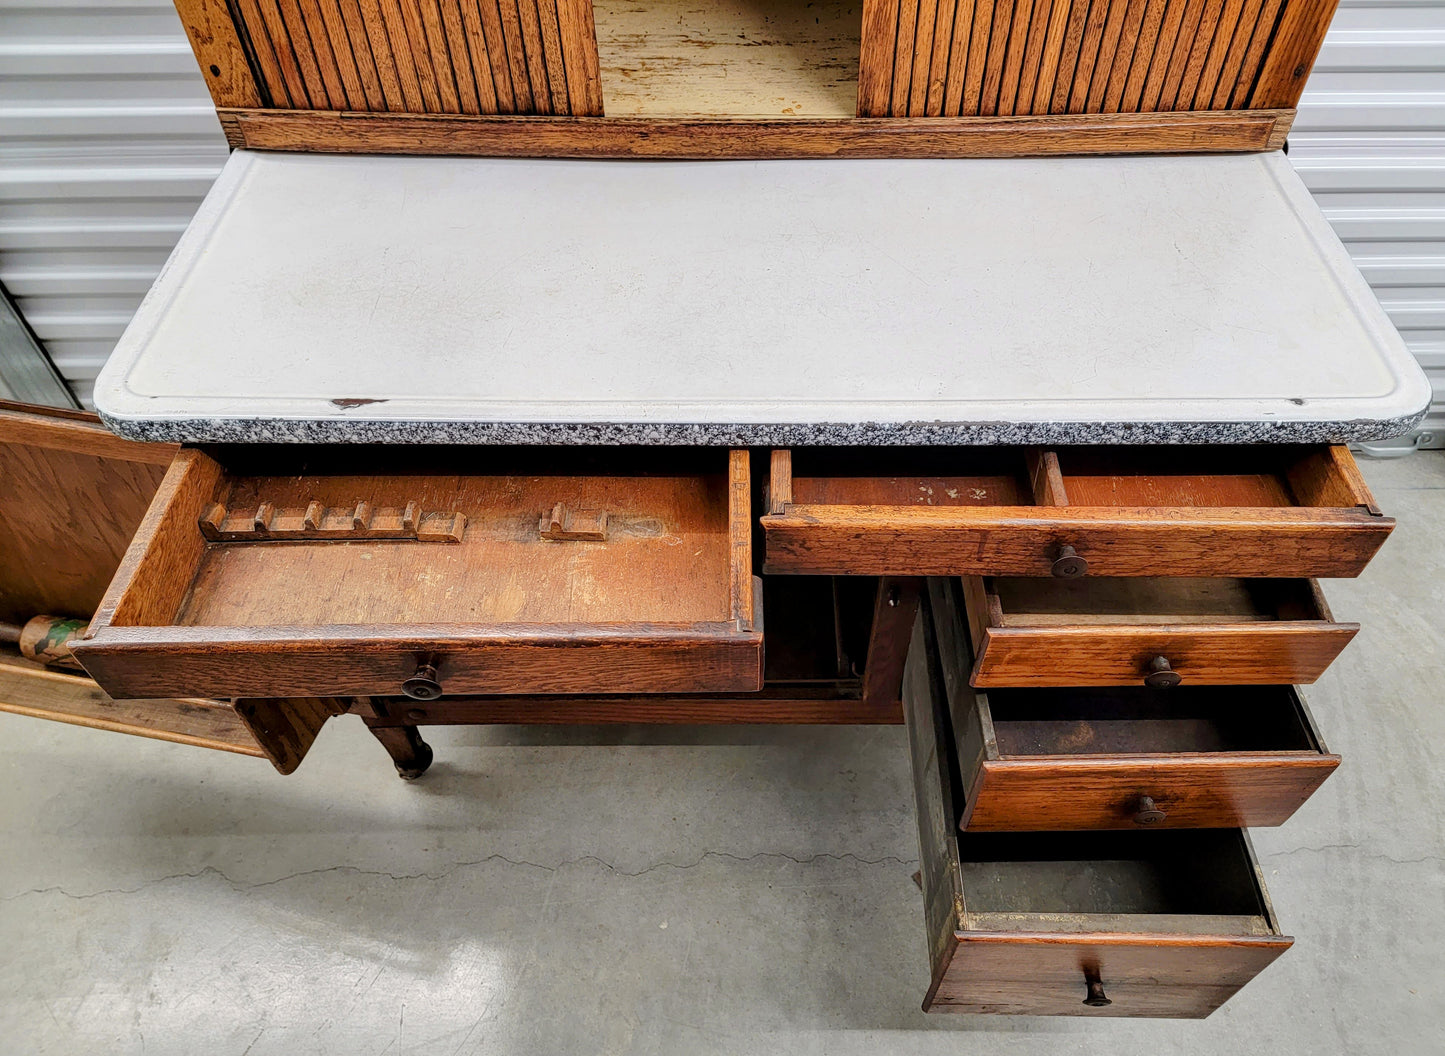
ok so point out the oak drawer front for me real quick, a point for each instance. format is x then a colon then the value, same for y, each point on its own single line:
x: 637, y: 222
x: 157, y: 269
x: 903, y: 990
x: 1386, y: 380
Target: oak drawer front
x: 1175, y: 511
x: 1150, y: 631
x: 1065, y: 923
x: 1121, y: 758
x: 434, y: 571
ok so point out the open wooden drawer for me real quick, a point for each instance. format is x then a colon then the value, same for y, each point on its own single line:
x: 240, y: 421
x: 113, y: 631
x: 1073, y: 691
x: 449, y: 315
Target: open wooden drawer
x: 1122, y: 758
x: 1266, y: 511
x: 356, y: 571
x: 1150, y: 631
x: 1056, y: 923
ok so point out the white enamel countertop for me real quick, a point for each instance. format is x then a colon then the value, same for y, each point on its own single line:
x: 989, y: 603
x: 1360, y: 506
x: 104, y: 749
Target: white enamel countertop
x: 500, y: 300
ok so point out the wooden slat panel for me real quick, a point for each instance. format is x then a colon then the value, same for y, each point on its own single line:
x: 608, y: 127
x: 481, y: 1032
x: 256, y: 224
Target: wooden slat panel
x: 1040, y: 23
x: 958, y: 57
x: 424, y: 56
x: 921, y: 66
x: 1014, y: 59
x: 998, y: 41
x: 491, y: 19
x: 1224, y: 35
x: 903, y: 56
x: 218, y: 49
x: 1233, y: 57
x: 875, y: 58
x: 1126, y: 54
x: 305, y: 52
x: 1179, y: 57
x: 333, y: 23
x: 1292, y: 52
x: 983, y: 11
x: 1069, y: 56
x: 1144, y: 56
x: 1088, y: 55
x: 1254, y: 55
x: 938, y: 62
x: 484, y: 70
x: 1209, y: 25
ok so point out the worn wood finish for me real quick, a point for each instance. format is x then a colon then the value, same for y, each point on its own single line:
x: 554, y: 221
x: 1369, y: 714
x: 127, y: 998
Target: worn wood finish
x: 1055, y: 759
x: 286, y: 729
x: 1103, y: 632
x: 399, y: 56
x: 941, y: 137
x: 894, y: 612
x: 1168, y: 924
x: 1086, y: 56
x: 1259, y: 512
x: 665, y: 604
x: 43, y: 693
x: 71, y: 498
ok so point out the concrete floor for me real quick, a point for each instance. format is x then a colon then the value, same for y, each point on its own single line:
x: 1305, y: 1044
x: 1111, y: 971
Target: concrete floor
x: 635, y: 890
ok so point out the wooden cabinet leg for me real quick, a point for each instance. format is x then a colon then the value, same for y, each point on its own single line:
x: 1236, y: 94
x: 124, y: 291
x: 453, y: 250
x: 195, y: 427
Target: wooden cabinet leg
x: 408, y: 751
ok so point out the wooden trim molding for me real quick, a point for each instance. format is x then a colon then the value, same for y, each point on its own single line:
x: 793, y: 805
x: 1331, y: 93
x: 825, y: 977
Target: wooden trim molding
x: 927, y: 137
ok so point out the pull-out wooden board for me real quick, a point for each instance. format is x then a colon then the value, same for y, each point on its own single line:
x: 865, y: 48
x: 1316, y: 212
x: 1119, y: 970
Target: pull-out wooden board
x: 539, y: 571
x: 1166, y: 924
x: 1157, y: 632
x: 1126, y: 758
x: 1295, y: 511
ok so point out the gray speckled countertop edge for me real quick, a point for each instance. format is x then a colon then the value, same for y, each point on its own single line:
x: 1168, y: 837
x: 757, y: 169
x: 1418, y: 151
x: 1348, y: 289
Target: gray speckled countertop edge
x: 828, y: 434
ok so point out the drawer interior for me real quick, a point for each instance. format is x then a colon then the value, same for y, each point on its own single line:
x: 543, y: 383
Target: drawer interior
x: 1205, y: 477
x: 1172, y: 882
x: 665, y: 554
x: 1037, y: 602
x: 1142, y: 721
x: 816, y: 629
x: 1198, y: 476
x: 986, y: 476
x: 729, y: 58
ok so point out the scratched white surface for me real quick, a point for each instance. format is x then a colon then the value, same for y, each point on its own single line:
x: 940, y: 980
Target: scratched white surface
x: 502, y: 290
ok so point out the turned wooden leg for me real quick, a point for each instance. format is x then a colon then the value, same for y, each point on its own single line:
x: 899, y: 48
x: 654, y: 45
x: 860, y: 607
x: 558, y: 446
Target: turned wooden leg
x: 408, y: 751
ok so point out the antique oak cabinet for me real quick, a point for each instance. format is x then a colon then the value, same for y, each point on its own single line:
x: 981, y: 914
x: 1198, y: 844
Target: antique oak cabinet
x: 1024, y: 423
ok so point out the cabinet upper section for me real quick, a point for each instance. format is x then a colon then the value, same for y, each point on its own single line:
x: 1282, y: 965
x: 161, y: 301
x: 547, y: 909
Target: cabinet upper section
x: 757, y: 78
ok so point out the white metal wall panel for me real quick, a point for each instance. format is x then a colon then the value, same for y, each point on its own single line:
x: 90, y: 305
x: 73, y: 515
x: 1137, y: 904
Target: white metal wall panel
x: 1370, y: 143
x: 108, y: 141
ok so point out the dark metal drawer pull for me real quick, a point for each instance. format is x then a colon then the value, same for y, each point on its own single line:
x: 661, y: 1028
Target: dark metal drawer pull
x: 1096, y: 998
x: 1161, y: 675
x: 1147, y: 813
x: 1068, y: 564
x: 424, y: 685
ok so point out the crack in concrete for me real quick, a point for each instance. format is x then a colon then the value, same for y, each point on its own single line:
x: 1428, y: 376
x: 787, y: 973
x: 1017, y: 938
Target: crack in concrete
x: 454, y: 866
x: 1355, y: 847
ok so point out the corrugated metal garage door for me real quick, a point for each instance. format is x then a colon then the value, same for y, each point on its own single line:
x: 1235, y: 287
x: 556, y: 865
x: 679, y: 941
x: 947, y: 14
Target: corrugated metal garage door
x: 108, y: 142
x: 1370, y: 143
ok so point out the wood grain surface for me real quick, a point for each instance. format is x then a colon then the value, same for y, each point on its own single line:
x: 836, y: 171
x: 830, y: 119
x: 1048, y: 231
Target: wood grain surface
x: 666, y: 603
x: 699, y: 138
x: 982, y: 57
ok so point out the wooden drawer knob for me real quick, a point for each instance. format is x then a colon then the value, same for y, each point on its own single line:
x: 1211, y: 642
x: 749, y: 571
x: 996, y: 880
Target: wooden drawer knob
x: 424, y: 685
x: 1147, y: 813
x: 1160, y: 675
x: 1068, y: 564
x: 1095, y: 998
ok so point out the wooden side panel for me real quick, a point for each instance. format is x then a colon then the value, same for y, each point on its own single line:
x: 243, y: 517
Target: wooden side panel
x: 934, y: 795
x: 403, y: 56
x: 41, y: 693
x: 218, y: 48
x: 1202, y: 654
x: 71, y: 497
x: 1087, y: 56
